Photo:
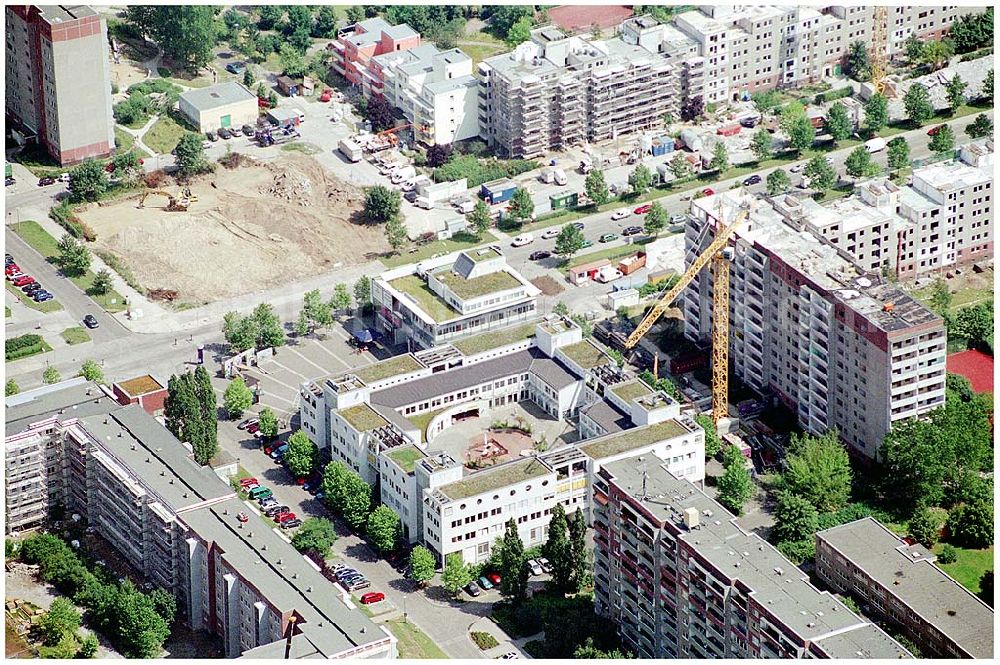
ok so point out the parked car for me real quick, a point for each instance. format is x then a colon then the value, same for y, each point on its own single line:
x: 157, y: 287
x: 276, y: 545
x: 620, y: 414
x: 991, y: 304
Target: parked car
x: 621, y: 213
x: 751, y: 180
x: 360, y: 584
x: 276, y: 510
x: 678, y: 219
x: 291, y: 524
x: 284, y: 517
x: 522, y: 240
x: 550, y: 233
x: 244, y: 482
x: 708, y: 191
x: 586, y: 244
x: 798, y: 167
x: 495, y: 578
x: 42, y: 296
x: 485, y: 583
x: 544, y: 563
x: 9, y: 180
x: 411, y: 196
x: 91, y: 321
x: 351, y: 579
x: 269, y: 502
x: 46, y: 180
x: 22, y: 280
x: 243, y: 517
x: 210, y: 135
x: 235, y: 68
x: 510, y: 655
x: 246, y: 422
x: 372, y: 597
x: 253, y: 428
x: 539, y: 255
x: 225, y: 134
x: 534, y: 567
x: 750, y: 122
x: 578, y: 226
x: 608, y: 237
x: 278, y: 452
x: 248, y: 130
x: 631, y: 231
x: 266, y: 494
x: 31, y: 288
x: 934, y: 130
x: 643, y: 209
x: 15, y: 275
x: 345, y: 571
x: 472, y: 589
x: 257, y: 491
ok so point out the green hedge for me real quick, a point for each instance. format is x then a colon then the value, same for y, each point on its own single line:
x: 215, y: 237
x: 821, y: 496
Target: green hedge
x: 478, y: 171
x: 23, y: 345
x: 64, y: 216
x: 831, y: 95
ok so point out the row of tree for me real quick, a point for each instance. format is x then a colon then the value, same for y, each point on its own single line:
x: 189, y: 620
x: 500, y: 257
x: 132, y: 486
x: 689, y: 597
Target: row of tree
x: 191, y: 412
x: 260, y: 329
x: 90, y: 370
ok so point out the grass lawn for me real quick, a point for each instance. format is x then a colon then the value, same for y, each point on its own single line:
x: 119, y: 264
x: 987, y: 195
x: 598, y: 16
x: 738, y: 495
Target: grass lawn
x: 48, y: 306
x: 836, y: 193
x: 36, y: 160
x: 306, y: 148
x: 413, y: 643
x: 963, y: 298
x: 970, y: 566
x: 609, y: 253
x: 75, y: 335
x: 45, y: 244
x: 480, y: 52
x: 123, y: 140
x: 164, y: 135
x: 455, y: 243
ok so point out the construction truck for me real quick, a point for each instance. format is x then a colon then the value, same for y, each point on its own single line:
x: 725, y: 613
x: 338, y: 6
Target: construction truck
x: 174, y: 203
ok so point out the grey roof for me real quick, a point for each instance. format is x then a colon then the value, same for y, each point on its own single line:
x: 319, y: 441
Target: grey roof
x: 446, y: 85
x: 452, y: 380
x: 908, y: 572
x: 75, y: 397
x: 553, y: 373
x: 215, y: 96
x: 401, y: 423
x: 59, y: 13
x: 401, y: 31
x: 774, y: 581
x: 608, y: 416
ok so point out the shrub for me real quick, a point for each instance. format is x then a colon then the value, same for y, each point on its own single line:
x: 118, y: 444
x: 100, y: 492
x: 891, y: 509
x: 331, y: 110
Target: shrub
x: 484, y: 640
x: 155, y: 179
x: 948, y: 554
x: 64, y: 216
x: 23, y: 345
x: 478, y: 171
x: 831, y: 95
x: 115, y: 262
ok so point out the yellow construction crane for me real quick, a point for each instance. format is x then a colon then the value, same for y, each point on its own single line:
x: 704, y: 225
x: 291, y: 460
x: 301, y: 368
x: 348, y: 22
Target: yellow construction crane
x: 719, y: 254
x: 880, y: 48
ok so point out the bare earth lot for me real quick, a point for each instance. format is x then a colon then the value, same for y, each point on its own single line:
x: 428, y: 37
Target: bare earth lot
x: 250, y: 228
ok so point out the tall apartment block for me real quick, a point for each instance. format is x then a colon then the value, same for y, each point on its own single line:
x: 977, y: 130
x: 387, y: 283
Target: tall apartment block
x: 829, y: 337
x: 901, y: 584
x: 59, y: 79
x: 679, y: 578
x: 175, y: 522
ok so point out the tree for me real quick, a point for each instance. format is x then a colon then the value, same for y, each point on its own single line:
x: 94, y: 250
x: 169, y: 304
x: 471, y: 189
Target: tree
x: 735, y: 488
x: 732, y: 455
x: 818, y: 470
x: 778, y: 182
x: 656, y: 219
x: 974, y: 323
x: 88, y: 181
x: 208, y: 410
x: 341, y: 298
x: 712, y: 442
x: 955, y: 92
x: 301, y: 455
x: 520, y: 32
x: 587, y: 651
x: 521, y: 205
x: 325, y: 25
x: 578, y: 548
x: 91, y: 371
x: 596, y: 187
x: 986, y: 92
x: 679, y: 166
x: 971, y: 524
x: 936, y: 53
x: 422, y: 564
x: 558, y: 550
x: 940, y: 299
x: 917, y: 103
x: 88, y: 649
x: 165, y: 604
x: 456, y: 573
x: 503, y: 18
x: 355, y: 501
x: 948, y: 554
x: 720, y: 157
x: 127, y: 167
x: 641, y: 179
x: 185, y: 33
x: 190, y: 154
x: 269, y: 329
x: 856, y: 63
x: 925, y: 527
x: 51, y: 375
x: 395, y: 233
x: 760, y: 145
x: 821, y: 175
x: 560, y: 308
x: 838, y: 125
x: 302, y: 324
x: 381, y: 204
x: 513, y: 572
x: 61, y: 619
x: 383, y: 528
x: 237, y: 397
x: 972, y: 31
x: 291, y: 61
x: 914, y: 49
x: 73, y: 256
x: 479, y: 219
x: 859, y: 163
x: 766, y: 100
x: 801, y: 133
x: 692, y: 109
x: 958, y: 387
x: 943, y: 141
x: 898, y: 153
x: 317, y: 534
x: 980, y: 127
x: 102, y: 282
x: 65, y: 647
x: 876, y: 112
x: 248, y: 78
x: 268, y: 423
x: 795, y: 518
x: 11, y: 388
x: 363, y: 291
x: 438, y: 154
x: 569, y: 241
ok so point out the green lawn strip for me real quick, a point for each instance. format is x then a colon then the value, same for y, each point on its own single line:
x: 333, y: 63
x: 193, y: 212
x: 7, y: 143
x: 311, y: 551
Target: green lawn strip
x: 963, y: 298
x: 413, y: 643
x: 75, y: 335
x: 123, y: 140
x: 41, y: 348
x: 40, y: 239
x: 307, y: 148
x: 480, y: 52
x: 457, y: 242
x: 47, y: 306
x: 969, y: 567
x: 163, y: 136
x: 609, y: 253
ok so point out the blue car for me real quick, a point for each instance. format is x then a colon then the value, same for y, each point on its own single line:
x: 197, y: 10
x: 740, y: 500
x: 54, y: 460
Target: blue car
x: 485, y: 583
x: 278, y: 452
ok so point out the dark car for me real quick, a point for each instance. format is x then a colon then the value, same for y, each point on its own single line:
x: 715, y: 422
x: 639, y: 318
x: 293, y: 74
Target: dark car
x: 28, y: 288
x: 46, y: 180
x: 91, y: 321
x: 9, y: 180
x: 211, y: 136
x: 235, y: 67
x: 42, y: 296
x: 411, y: 195
x: 578, y: 225
x: 472, y: 589
x: 276, y: 510
x: 539, y: 255
x: 631, y: 230
x: 248, y: 130
x: 750, y: 123
x: 225, y: 133
x: 291, y: 524
x: 751, y: 180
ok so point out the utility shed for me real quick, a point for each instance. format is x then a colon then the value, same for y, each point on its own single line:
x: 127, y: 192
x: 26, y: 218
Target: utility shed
x: 224, y: 105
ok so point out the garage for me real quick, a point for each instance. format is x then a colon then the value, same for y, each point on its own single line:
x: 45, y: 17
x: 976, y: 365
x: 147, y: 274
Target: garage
x: 224, y: 105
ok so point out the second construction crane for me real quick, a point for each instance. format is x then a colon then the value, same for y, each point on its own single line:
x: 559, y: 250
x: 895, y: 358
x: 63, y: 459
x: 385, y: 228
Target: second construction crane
x: 719, y: 254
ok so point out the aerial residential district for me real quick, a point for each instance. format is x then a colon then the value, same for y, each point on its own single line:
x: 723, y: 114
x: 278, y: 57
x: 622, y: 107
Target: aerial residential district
x: 499, y: 331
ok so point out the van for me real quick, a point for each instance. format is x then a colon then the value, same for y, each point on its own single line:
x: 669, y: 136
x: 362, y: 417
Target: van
x: 373, y: 597
x: 257, y: 491
x: 877, y: 144
x: 423, y: 202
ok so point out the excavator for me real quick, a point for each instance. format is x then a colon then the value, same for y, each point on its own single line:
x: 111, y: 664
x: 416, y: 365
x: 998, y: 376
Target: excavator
x: 174, y: 203
x: 719, y: 254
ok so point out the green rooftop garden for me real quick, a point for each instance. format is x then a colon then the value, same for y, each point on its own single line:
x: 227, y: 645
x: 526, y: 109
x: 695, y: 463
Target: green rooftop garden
x: 466, y: 289
x: 432, y: 304
x: 482, y: 254
x: 585, y: 354
x: 494, y: 339
x: 632, y: 390
x: 405, y: 456
x: 632, y: 439
x: 363, y: 418
x: 421, y: 421
x: 494, y: 479
x: 386, y: 368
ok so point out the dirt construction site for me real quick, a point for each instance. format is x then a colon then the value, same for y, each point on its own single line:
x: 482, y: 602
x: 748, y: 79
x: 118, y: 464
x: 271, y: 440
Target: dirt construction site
x: 245, y: 229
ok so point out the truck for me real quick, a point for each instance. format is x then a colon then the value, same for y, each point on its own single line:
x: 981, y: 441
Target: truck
x: 547, y: 175
x: 465, y: 206
x: 403, y: 174
x: 351, y: 150
x: 560, y: 177
x: 586, y: 166
x: 877, y: 144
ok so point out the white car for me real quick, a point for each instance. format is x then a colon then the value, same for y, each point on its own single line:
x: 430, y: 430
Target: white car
x: 620, y: 214
x: 551, y: 233
x: 522, y: 240
x: 534, y: 567
x: 678, y: 219
x: 798, y: 167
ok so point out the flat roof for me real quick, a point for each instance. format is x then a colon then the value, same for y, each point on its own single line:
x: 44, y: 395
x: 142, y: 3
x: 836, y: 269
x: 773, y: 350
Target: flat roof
x: 140, y: 385
x: 909, y: 573
x: 586, y: 354
x: 494, y: 339
x: 405, y: 456
x: 215, y: 96
x: 608, y: 416
x: 493, y: 479
x: 476, y: 287
x: 631, y: 390
x: 75, y: 398
x: 403, y: 364
x: 616, y: 444
x: 61, y: 13
x: 362, y: 417
x: 423, y: 297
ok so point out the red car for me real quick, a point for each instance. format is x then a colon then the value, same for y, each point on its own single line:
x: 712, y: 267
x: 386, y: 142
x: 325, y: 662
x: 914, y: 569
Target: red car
x: 253, y: 428
x: 643, y: 209
x: 708, y: 191
x: 300, y: 481
x: 934, y: 130
x: 11, y: 269
x: 247, y: 482
x: 22, y: 280
x: 373, y: 597
x: 284, y: 517
x: 243, y: 517
x: 495, y: 578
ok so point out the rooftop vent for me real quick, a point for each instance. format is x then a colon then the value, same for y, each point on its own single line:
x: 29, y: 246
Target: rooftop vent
x: 691, y: 517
